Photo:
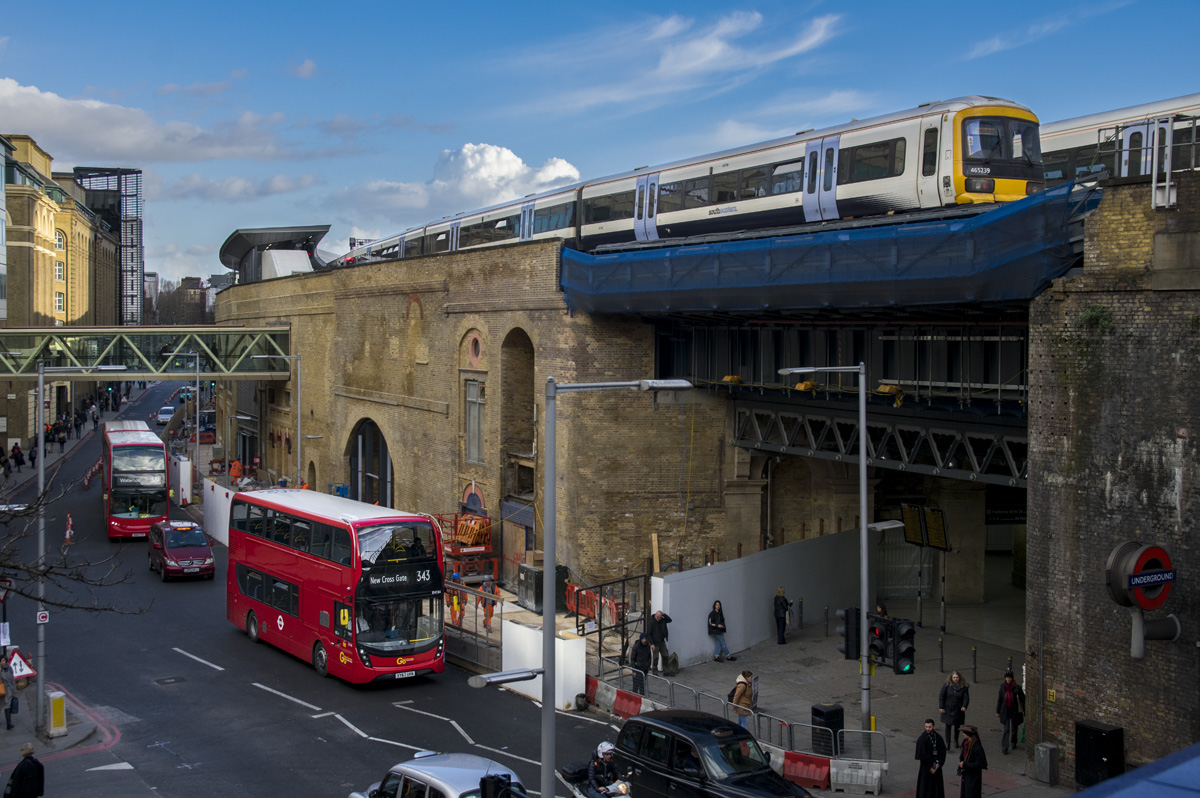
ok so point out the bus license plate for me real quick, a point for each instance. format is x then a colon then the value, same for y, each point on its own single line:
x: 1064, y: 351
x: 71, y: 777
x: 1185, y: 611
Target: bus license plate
x: 138, y: 535
x: 191, y: 570
x: 406, y: 674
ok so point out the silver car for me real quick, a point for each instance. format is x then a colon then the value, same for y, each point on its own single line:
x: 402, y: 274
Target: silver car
x: 432, y: 775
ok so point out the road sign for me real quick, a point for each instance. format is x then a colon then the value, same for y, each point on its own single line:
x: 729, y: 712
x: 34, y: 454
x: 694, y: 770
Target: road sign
x: 20, y: 667
x: 5, y: 584
x: 43, y: 617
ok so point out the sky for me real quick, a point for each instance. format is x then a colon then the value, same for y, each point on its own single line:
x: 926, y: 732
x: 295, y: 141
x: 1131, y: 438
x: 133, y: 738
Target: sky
x: 376, y: 117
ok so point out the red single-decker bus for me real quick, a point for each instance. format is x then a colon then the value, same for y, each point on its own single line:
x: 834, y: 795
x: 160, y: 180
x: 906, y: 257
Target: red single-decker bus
x: 353, y: 588
x: 136, y: 485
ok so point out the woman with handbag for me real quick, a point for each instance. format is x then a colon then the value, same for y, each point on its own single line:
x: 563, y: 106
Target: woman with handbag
x: 9, y: 683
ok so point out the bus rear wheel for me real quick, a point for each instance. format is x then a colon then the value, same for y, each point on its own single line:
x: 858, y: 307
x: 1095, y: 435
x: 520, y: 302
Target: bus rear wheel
x: 320, y: 659
x: 252, y: 626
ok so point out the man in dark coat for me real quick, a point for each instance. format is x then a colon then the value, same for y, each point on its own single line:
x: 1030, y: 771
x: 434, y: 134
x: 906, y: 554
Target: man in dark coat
x: 658, y: 632
x: 26, y: 780
x: 931, y: 751
x: 971, y: 764
x: 639, y: 660
x: 1010, y: 709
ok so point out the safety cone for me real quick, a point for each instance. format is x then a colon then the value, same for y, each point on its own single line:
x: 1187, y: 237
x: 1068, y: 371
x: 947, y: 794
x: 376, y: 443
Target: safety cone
x: 70, y: 530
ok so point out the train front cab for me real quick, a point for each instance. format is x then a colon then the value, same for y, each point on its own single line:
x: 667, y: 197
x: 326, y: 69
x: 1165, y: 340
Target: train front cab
x: 996, y: 155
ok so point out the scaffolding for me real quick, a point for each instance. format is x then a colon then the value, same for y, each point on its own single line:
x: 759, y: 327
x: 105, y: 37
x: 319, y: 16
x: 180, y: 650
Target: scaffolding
x: 116, y: 194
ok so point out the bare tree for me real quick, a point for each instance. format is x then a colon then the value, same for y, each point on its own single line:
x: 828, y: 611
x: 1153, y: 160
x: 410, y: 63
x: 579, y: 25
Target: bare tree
x: 65, y: 576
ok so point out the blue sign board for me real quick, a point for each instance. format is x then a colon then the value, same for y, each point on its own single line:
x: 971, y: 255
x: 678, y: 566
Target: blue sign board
x: 1151, y: 578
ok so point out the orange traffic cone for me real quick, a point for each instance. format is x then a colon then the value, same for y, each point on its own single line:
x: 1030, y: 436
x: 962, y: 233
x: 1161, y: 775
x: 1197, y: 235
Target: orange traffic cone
x: 70, y: 530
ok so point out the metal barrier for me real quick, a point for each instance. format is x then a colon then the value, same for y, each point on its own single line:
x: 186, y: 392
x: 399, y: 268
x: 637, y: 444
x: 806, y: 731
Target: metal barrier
x: 868, y: 746
x: 771, y: 730
x: 658, y: 689
x: 468, y: 637
x: 713, y: 704
x: 683, y: 697
x: 809, y: 739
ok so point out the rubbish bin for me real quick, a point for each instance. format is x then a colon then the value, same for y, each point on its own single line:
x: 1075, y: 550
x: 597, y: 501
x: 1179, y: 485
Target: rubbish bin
x: 831, y: 717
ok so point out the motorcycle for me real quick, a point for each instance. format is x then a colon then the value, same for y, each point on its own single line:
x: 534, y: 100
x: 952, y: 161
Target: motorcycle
x: 576, y: 777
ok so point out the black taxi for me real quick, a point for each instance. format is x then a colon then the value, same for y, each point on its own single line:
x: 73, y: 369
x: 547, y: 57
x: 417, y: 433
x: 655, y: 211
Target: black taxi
x: 686, y: 754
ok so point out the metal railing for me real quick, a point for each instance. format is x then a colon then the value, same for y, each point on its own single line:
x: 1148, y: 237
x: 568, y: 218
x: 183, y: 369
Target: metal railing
x: 809, y: 739
x: 868, y: 746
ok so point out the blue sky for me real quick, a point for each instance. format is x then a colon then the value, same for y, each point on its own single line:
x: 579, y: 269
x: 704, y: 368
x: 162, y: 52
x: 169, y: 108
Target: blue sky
x: 374, y: 117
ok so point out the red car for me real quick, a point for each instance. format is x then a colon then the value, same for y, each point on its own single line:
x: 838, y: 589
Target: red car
x: 180, y: 548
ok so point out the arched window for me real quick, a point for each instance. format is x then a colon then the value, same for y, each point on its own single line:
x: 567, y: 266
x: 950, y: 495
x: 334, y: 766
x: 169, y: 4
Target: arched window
x: 60, y: 241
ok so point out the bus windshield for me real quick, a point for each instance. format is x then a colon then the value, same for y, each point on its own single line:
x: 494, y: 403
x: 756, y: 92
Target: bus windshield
x: 138, y: 458
x: 138, y: 504
x: 394, y: 542
x: 399, y: 623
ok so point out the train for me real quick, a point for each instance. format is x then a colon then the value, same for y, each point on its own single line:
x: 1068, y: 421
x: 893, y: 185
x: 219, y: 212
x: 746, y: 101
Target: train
x: 968, y: 150
x: 1122, y: 142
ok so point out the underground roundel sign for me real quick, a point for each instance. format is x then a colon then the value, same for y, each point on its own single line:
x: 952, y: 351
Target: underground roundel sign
x: 1139, y: 575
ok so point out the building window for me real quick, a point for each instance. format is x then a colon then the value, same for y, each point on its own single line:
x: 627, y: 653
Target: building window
x: 476, y: 395
x: 60, y: 271
x: 60, y: 241
x: 60, y: 302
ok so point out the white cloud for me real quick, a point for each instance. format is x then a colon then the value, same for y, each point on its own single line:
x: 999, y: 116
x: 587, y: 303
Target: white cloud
x: 305, y: 70
x: 473, y: 176
x: 683, y: 58
x: 1011, y: 40
x: 230, y: 189
x: 83, y: 130
x: 195, y: 89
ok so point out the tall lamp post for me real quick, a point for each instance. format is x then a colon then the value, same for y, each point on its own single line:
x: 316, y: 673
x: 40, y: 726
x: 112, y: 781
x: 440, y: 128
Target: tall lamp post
x: 43, y: 370
x: 549, y: 554
x: 299, y: 406
x: 861, y: 370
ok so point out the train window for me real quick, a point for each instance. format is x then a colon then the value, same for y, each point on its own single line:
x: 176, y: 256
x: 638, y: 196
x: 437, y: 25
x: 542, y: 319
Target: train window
x: 556, y: 217
x: 1183, y: 156
x: 788, y: 178
x: 1056, y: 166
x: 652, y: 200
x: 670, y: 197
x: 1135, y: 154
x: 412, y: 247
x: 641, y: 197
x: 827, y: 181
x: 984, y: 138
x: 1088, y: 161
x: 608, y: 208
x: 695, y: 192
x: 812, y: 171
x: 753, y: 183
x: 929, y: 149
x: 441, y: 242
x: 871, y: 161
x: 1026, y: 143
x: 725, y: 187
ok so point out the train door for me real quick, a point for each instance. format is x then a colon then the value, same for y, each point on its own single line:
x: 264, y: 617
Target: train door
x: 526, y: 231
x: 454, y: 229
x: 928, y: 185
x: 1135, y: 150
x: 820, y: 181
x: 645, y: 221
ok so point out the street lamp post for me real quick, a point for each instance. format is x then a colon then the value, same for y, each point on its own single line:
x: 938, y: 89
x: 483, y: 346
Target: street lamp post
x: 861, y: 370
x: 549, y: 554
x: 299, y: 406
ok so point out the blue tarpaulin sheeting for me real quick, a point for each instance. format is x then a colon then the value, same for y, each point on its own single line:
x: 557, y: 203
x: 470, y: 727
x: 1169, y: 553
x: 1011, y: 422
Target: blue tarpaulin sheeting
x: 1008, y: 254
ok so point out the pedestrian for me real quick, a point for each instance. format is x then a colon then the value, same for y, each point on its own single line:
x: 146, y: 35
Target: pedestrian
x: 782, y: 606
x: 62, y: 438
x: 26, y: 780
x: 5, y: 464
x: 639, y: 660
x: 881, y: 610
x: 489, y: 604
x: 33, y: 455
x: 931, y: 752
x: 971, y: 764
x: 78, y: 425
x: 17, y: 457
x: 457, y: 600
x: 716, y: 628
x: 658, y: 632
x: 9, y: 682
x: 95, y: 417
x: 1010, y: 709
x: 953, y: 701
x: 743, y: 698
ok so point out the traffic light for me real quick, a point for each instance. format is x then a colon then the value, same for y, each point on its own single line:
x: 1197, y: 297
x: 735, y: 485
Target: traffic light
x: 110, y: 389
x: 879, y: 631
x: 905, y: 660
x: 850, y: 646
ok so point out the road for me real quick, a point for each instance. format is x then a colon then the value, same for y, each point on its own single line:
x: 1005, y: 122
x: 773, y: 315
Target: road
x: 188, y: 706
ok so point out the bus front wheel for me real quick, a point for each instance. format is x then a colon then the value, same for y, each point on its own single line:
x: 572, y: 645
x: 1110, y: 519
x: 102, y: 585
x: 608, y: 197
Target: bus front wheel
x: 320, y: 659
x: 252, y: 626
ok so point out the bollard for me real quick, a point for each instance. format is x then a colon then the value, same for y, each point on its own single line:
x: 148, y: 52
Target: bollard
x: 800, y: 611
x: 941, y: 656
x: 974, y: 666
x: 827, y: 620
x: 56, y: 723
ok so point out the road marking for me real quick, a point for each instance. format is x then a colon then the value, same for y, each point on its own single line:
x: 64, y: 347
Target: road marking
x: 288, y: 697
x: 201, y: 661
x: 508, y: 754
x: 324, y: 714
x: 393, y: 742
x: 398, y: 705
x: 466, y: 736
x: 351, y: 726
x: 578, y: 716
x: 117, y: 766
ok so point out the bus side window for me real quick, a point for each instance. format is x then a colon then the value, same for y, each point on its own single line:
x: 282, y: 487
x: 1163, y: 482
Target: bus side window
x: 320, y: 540
x: 300, y: 528
x: 254, y: 522
x: 281, y: 528
x: 341, y: 546
x: 238, y: 515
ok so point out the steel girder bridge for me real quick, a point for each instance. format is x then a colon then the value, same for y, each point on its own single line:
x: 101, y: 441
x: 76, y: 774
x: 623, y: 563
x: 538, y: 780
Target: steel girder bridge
x: 147, y: 353
x: 976, y: 452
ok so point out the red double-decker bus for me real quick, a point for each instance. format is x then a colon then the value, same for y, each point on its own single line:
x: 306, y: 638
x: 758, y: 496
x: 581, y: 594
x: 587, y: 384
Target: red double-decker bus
x: 136, y: 485
x: 353, y: 588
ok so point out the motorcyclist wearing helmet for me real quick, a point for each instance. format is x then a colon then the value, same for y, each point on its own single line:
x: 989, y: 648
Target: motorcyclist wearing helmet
x: 602, y: 771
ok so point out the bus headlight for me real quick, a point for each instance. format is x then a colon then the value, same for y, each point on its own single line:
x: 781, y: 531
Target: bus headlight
x: 362, y: 654
x: 981, y: 185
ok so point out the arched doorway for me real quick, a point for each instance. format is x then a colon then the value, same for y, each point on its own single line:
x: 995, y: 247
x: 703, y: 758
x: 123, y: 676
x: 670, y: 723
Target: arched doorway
x: 370, y: 465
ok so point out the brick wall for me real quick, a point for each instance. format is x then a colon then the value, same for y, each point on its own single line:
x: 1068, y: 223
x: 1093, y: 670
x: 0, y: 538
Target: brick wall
x: 1114, y: 365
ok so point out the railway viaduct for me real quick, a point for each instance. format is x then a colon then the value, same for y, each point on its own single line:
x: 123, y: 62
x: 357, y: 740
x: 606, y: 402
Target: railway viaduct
x: 1062, y: 423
